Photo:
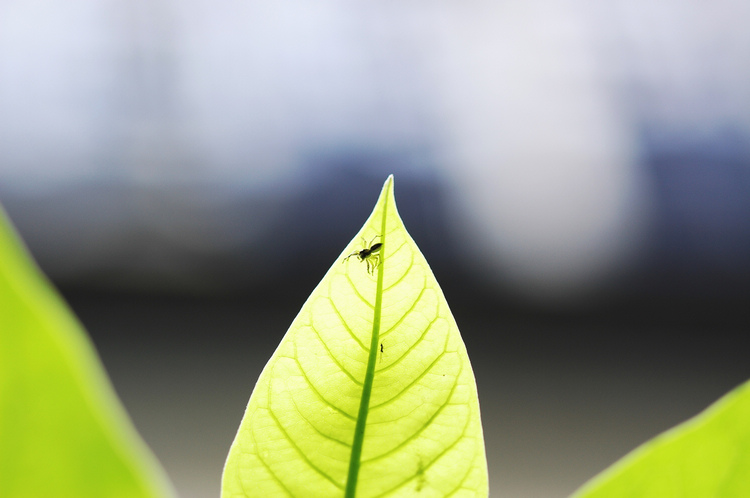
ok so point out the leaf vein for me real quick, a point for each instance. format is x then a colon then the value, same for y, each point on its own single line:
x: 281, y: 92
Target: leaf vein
x: 421, y: 429
x: 333, y: 357
x: 356, y: 292
x: 417, y: 379
x: 407, y: 312
x: 317, y: 393
x: 460, y: 484
x: 406, y: 270
x: 302, y: 415
x: 435, y: 459
x: 346, y: 325
x: 411, y: 348
x: 268, y: 468
x: 302, y: 453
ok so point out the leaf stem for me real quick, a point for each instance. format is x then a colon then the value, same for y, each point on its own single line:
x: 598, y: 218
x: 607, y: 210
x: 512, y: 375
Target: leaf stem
x: 364, y: 402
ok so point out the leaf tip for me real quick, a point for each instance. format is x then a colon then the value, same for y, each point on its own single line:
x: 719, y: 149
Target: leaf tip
x: 388, y: 185
x: 386, y: 194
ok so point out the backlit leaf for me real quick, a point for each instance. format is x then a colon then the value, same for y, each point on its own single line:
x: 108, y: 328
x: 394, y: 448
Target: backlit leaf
x: 370, y: 391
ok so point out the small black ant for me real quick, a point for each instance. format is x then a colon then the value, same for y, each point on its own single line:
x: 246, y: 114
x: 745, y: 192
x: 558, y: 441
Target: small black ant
x: 369, y: 256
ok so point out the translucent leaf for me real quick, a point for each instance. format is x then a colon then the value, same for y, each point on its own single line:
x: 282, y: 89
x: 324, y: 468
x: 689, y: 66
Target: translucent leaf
x: 708, y: 455
x: 370, y: 391
x: 62, y: 430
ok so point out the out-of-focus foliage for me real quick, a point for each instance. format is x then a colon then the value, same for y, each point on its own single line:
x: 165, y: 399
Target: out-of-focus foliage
x: 63, y: 432
x: 708, y: 455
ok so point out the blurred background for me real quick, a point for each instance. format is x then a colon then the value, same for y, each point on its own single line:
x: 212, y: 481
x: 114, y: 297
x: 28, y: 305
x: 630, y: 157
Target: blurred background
x: 576, y: 172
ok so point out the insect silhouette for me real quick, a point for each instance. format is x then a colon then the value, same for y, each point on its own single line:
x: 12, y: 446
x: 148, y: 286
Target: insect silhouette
x: 369, y: 254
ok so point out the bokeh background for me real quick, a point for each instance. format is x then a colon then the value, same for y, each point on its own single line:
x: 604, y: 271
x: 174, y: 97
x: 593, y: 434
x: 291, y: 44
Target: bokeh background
x: 576, y: 172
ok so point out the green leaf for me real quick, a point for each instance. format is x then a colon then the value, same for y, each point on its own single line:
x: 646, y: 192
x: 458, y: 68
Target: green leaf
x: 708, y: 455
x: 62, y: 430
x: 370, y: 391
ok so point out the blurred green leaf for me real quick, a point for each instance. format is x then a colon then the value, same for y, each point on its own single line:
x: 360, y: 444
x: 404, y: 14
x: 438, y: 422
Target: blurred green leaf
x: 63, y: 432
x: 370, y: 391
x: 708, y: 455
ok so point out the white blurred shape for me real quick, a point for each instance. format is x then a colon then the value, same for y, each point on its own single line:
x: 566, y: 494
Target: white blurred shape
x: 689, y: 60
x: 46, y: 49
x: 540, y: 158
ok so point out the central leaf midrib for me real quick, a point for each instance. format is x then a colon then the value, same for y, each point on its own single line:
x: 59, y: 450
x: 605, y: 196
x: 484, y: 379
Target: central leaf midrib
x: 364, y: 404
